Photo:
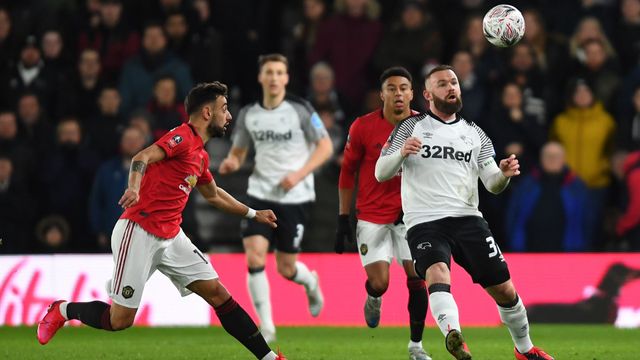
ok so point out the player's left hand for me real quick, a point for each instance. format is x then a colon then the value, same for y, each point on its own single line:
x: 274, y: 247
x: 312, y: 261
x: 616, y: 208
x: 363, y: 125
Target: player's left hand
x: 266, y: 217
x: 290, y: 181
x: 510, y: 166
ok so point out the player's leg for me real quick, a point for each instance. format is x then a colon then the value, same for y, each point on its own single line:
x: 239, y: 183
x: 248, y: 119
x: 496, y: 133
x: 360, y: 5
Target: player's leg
x: 292, y: 219
x: 431, y: 250
x: 418, y: 298
x: 256, y: 238
x: 132, y: 254
x: 376, y: 252
x: 233, y: 317
x: 191, y: 271
x: 481, y: 257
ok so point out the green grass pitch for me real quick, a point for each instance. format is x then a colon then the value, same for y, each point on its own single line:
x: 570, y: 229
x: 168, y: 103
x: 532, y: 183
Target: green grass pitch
x: 565, y: 342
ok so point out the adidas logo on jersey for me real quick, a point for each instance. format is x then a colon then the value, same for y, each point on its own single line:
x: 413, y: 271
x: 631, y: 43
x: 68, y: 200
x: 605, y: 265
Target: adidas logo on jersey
x: 445, y: 152
x: 270, y: 135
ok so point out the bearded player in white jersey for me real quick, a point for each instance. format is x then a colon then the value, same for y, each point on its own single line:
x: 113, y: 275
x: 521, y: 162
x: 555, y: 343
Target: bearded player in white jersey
x: 290, y: 142
x: 442, y: 156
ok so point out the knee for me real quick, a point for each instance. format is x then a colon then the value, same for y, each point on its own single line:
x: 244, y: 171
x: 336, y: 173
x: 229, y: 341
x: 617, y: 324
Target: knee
x: 121, y: 323
x: 438, y: 273
x: 379, y: 285
x: 255, y: 259
x: 287, y: 270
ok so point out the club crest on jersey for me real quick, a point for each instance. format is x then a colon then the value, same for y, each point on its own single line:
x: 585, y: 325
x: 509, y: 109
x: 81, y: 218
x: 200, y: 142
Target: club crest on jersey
x: 174, y: 141
x: 192, y: 181
x: 467, y: 140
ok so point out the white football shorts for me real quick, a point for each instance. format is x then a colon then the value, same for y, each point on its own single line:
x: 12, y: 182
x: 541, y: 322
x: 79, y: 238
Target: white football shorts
x: 137, y: 255
x: 382, y: 242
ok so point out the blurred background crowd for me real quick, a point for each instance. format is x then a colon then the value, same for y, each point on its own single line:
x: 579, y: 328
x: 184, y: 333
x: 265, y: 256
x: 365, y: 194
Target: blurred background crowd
x: 85, y: 84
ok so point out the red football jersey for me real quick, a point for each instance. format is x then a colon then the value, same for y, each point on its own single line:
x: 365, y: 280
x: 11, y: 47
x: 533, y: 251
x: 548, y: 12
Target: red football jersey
x: 376, y: 202
x: 166, y: 184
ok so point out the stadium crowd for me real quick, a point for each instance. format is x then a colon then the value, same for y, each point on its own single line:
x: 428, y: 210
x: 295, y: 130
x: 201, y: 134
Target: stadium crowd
x: 86, y: 84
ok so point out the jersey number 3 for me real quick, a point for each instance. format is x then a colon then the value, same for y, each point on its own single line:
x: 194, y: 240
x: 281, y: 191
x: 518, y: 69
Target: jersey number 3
x: 495, y: 249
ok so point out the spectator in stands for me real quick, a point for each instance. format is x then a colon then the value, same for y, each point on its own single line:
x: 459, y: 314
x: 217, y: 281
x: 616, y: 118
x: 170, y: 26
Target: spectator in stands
x: 17, y: 211
x: 485, y: 57
x: 586, y: 130
x: 547, y: 209
x: 627, y: 36
x: 109, y: 185
x: 347, y: 41
x: 53, y: 233
x: 67, y: 176
x: 412, y: 43
x: 143, y: 121
x: 112, y: 38
x: 30, y: 74
x: 300, y: 38
x: 167, y: 111
x: 599, y: 70
x: 515, y: 132
x: 20, y: 153
x: 54, y: 53
x: 474, y: 91
x: 589, y: 28
x: 153, y: 61
x: 628, y: 137
x: 34, y: 127
x: 201, y: 50
x: 81, y: 98
x: 628, y: 225
x: 104, y: 129
x: 324, y: 94
x: 8, y: 46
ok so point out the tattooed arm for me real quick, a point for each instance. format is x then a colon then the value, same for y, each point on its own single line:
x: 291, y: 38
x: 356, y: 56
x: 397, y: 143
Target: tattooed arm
x: 139, y: 164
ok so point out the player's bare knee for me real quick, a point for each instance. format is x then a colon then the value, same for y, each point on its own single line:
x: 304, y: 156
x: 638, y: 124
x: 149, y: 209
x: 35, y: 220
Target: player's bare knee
x: 379, y: 285
x: 438, y: 273
x: 287, y: 270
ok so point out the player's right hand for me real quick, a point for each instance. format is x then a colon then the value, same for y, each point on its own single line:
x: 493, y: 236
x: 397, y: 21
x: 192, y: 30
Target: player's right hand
x: 266, y: 217
x: 129, y: 198
x: 411, y: 146
x: 343, y: 233
x: 228, y: 165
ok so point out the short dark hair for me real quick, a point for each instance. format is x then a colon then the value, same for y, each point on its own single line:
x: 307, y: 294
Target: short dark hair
x: 263, y: 59
x: 438, y: 68
x: 203, y: 93
x: 395, y: 71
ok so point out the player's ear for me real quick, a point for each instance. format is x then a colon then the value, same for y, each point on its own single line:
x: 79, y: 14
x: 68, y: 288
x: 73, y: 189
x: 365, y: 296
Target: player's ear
x: 426, y: 94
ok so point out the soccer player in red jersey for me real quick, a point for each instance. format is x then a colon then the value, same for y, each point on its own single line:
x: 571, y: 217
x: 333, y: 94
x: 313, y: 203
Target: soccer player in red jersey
x: 148, y: 236
x: 380, y: 231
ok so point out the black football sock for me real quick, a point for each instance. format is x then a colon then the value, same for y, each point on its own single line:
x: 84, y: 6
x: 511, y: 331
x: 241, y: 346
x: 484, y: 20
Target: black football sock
x: 238, y: 324
x: 96, y: 314
x: 418, y: 304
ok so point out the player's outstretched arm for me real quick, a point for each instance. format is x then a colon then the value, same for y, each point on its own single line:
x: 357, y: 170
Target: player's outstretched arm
x: 139, y: 164
x: 222, y: 200
x: 233, y: 161
x: 322, y: 153
x: 496, y: 177
x: 390, y: 162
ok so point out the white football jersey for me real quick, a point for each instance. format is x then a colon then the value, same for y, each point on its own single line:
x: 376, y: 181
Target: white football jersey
x: 283, y: 138
x: 442, y: 179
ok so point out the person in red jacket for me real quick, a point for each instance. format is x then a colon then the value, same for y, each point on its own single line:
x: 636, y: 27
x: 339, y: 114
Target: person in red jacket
x: 380, y: 231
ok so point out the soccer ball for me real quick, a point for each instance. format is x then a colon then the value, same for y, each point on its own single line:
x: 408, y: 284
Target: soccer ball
x: 503, y: 25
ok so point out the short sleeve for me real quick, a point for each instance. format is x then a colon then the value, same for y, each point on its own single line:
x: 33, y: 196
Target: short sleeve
x: 173, y: 143
x: 487, y: 152
x: 310, y: 121
x: 241, y: 136
x: 399, y: 135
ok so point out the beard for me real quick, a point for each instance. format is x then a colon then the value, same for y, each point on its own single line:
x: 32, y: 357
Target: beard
x: 448, y: 108
x: 216, y: 131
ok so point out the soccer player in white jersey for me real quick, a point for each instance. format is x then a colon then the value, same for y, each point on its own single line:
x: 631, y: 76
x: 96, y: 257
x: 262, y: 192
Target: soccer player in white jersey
x: 380, y: 232
x: 290, y: 142
x: 442, y: 156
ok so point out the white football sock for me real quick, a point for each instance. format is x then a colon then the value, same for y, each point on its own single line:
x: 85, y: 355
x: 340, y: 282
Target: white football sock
x: 261, y: 297
x: 413, y: 344
x: 63, y: 309
x: 304, y: 277
x: 515, y: 319
x: 445, y: 311
x: 270, y: 356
